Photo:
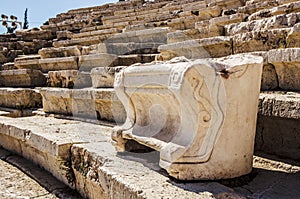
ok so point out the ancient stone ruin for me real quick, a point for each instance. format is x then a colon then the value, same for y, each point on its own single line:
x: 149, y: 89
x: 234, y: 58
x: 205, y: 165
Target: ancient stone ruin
x: 131, y: 99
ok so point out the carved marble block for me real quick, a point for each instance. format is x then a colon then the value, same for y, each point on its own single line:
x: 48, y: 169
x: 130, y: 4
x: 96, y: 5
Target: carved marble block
x: 200, y: 115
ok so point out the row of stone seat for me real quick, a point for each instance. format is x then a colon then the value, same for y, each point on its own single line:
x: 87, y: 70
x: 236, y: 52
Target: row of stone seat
x: 23, y: 42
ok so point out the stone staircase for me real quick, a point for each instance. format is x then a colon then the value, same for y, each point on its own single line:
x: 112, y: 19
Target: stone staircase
x: 68, y: 67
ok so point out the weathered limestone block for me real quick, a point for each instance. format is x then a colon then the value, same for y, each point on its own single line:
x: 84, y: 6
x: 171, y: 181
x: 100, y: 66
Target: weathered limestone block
x: 60, y: 52
x: 183, y: 35
x: 8, y: 66
x: 22, y: 78
x: 278, y: 124
x: 28, y: 62
x: 199, y: 48
x: 69, y: 79
x: 103, y: 77
x: 31, y: 34
x: 127, y: 48
x: 280, y: 104
x: 215, y: 26
x: 255, y: 6
x: 97, y: 32
x: 61, y: 63
x: 293, y: 38
x: 273, y: 11
x: 20, y: 98
x: 127, y: 60
x: 63, y: 35
x: 85, y: 41
x: 155, y: 35
x: 287, y: 66
x: 99, y: 104
x: 88, y: 62
x: 47, y: 141
x: 194, y: 112
x: 276, y: 22
x: 260, y: 40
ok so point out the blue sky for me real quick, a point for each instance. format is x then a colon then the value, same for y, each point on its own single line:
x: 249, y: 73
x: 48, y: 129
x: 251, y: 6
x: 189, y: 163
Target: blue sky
x: 40, y: 11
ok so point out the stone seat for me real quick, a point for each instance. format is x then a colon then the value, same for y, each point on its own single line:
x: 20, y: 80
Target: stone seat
x: 27, y: 62
x: 60, y: 52
x: 109, y: 31
x: 286, y: 63
x: 59, y: 63
x: 20, y: 98
x: 279, y: 124
x: 88, y: 62
x: 69, y: 79
x: 30, y: 35
x: 129, y: 48
x: 96, y: 28
x: 85, y: 41
x: 8, y: 66
x: 103, y: 77
x: 101, y: 104
x: 281, y: 9
x: 215, y: 26
x: 275, y: 22
x: 155, y: 35
x: 22, y: 78
x: 194, y: 113
x: 256, y: 6
x: 265, y: 40
x: 198, y: 48
x: 127, y: 60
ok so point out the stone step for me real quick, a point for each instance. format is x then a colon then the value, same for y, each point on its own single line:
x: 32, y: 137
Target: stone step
x: 127, y: 60
x: 182, y: 18
x: 20, y: 98
x: 69, y: 79
x: 254, y: 6
x: 245, y: 42
x: 215, y: 27
x: 286, y: 63
x: 266, y: 40
x: 33, y: 34
x: 282, y: 9
x: 60, y: 52
x: 155, y: 35
x: 275, y: 22
x: 27, y: 62
x: 101, y: 104
x: 22, y: 78
x: 129, y: 48
x: 110, y: 31
x: 281, y: 69
x: 104, y: 77
x: 278, y: 124
x: 8, y: 66
x: 85, y: 41
x: 198, y: 48
x: 47, y: 141
x: 81, y: 155
x: 88, y: 62
x: 59, y: 63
